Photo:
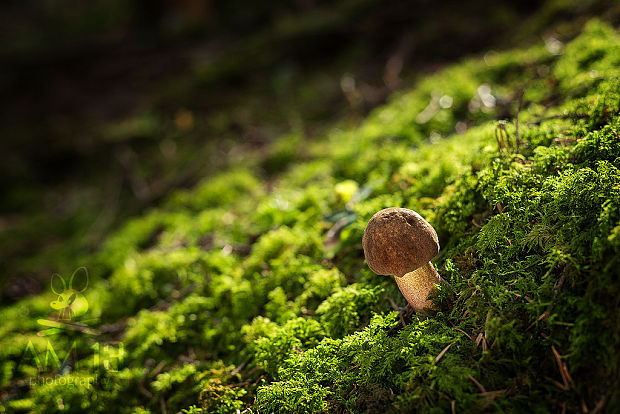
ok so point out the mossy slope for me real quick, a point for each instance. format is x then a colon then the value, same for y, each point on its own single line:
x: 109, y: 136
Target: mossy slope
x: 239, y: 295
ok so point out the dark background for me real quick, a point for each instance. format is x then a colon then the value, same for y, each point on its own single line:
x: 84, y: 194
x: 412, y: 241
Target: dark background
x: 107, y: 105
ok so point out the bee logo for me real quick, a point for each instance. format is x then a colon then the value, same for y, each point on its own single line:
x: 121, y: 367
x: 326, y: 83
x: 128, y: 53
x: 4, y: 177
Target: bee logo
x: 70, y: 303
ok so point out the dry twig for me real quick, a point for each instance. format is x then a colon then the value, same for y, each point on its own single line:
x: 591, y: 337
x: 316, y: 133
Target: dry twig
x: 599, y: 405
x: 443, y: 352
x: 239, y: 368
x: 464, y: 333
x: 480, y: 386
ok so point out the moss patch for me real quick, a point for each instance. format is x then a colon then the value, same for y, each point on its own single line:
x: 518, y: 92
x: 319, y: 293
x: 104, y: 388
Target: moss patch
x: 237, y: 295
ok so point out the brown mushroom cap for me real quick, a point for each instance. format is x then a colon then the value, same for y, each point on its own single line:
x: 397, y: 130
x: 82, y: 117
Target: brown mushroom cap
x: 398, y: 241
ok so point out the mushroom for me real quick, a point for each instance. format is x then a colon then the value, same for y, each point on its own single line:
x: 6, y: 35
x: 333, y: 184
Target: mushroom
x: 399, y: 242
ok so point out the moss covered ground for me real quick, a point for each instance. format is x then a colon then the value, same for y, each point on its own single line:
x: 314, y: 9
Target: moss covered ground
x: 250, y: 292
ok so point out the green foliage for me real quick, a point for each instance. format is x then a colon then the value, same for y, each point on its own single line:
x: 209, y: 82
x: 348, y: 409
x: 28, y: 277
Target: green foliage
x: 344, y: 311
x: 221, y: 399
x: 590, y: 58
x: 219, y: 191
x: 296, y: 335
x: 235, y: 295
x: 86, y: 393
x: 147, y: 277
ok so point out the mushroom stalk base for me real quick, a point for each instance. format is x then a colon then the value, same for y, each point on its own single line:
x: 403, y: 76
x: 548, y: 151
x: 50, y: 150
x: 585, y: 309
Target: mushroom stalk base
x: 417, y: 285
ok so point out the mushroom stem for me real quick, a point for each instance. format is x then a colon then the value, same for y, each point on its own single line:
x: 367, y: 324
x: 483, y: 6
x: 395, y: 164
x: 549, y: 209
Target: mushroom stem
x: 417, y: 285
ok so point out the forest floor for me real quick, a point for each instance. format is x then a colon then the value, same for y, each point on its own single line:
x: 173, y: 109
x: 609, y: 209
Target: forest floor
x: 217, y: 265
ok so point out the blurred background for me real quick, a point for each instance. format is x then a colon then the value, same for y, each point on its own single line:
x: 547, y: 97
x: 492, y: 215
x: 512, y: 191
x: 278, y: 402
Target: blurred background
x: 108, y: 106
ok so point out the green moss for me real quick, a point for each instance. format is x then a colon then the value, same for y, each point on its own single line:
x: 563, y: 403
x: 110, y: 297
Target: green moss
x: 219, y: 191
x: 234, y: 295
